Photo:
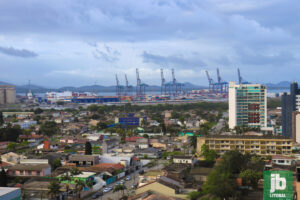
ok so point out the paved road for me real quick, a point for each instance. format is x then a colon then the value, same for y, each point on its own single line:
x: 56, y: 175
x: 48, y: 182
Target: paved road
x: 118, y: 195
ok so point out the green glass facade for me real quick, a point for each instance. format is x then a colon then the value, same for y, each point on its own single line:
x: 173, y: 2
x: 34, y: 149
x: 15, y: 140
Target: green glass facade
x: 250, y: 106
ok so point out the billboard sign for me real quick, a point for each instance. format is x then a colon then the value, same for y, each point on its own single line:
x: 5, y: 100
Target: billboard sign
x: 278, y: 185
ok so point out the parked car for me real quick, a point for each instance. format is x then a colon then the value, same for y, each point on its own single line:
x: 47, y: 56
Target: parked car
x: 107, y: 189
x: 141, y: 171
x: 122, y: 182
x: 98, y: 194
x: 128, y: 178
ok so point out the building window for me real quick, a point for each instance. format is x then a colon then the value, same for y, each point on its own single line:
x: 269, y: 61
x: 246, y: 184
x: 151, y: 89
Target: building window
x: 280, y: 161
x: 38, y: 173
x: 29, y: 172
x: 21, y: 172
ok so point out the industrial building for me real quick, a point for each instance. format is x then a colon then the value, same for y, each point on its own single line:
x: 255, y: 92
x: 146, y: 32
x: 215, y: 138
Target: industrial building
x: 247, y: 105
x: 7, y: 94
x: 260, y: 145
x: 289, y: 104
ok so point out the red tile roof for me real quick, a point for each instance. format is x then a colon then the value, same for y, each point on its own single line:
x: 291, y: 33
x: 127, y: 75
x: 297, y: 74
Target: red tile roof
x: 3, y: 164
x: 32, y: 136
x: 132, y: 139
x: 110, y: 165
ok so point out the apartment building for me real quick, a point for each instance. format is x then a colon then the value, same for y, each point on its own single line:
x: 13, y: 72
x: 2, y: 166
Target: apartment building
x: 247, y: 105
x: 260, y: 145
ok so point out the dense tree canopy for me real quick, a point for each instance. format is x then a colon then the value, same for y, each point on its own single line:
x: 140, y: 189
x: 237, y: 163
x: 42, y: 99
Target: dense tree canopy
x: 49, y: 128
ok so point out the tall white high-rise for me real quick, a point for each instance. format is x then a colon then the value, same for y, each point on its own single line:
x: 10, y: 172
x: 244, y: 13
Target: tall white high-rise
x: 247, y: 105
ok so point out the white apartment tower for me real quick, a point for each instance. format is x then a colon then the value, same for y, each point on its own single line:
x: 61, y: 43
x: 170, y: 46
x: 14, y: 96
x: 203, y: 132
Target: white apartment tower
x: 247, y: 105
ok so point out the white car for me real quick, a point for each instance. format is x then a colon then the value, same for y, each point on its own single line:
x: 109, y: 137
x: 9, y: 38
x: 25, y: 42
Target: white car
x: 106, y: 189
x: 128, y: 178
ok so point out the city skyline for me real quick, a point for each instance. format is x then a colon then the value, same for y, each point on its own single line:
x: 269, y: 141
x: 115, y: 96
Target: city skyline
x: 75, y: 43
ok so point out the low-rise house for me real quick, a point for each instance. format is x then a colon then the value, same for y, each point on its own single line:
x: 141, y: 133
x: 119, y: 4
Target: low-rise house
x: 148, y: 153
x: 11, y: 158
x: 164, y: 186
x: 29, y: 169
x: 142, y: 143
x: 200, y: 174
x: 3, y: 146
x: 109, y: 144
x: 84, y: 160
x: 33, y: 138
x: 132, y: 138
x: 26, y: 124
x: 184, y: 159
x: 68, y: 140
x: 283, y: 160
x: 128, y: 160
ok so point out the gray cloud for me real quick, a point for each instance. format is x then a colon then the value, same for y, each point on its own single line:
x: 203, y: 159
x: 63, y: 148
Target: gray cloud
x: 253, y: 34
x: 265, y: 58
x: 107, y: 54
x: 24, y: 53
x: 173, y: 60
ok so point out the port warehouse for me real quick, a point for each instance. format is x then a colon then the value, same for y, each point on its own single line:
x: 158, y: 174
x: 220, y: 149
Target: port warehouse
x: 86, y: 100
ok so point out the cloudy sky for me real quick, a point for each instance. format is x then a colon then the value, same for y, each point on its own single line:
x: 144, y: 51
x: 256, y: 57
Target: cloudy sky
x: 79, y: 42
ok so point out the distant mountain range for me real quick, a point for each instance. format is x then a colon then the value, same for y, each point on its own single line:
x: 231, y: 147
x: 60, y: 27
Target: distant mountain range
x: 100, y: 88
x: 280, y: 85
x: 88, y: 88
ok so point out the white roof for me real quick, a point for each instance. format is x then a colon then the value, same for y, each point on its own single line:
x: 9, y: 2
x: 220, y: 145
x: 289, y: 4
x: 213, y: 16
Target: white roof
x: 6, y: 190
x: 82, y: 175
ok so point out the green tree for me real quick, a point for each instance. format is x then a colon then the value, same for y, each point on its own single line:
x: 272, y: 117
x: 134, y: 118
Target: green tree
x: 118, y: 188
x: 92, y: 108
x: 12, y: 146
x: 49, y: 128
x: 54, y: 189
x: 88, y: 148
x: 56, y: 164
x: 194, y: 195
x: 3, y: 178
x: 220, y: 183
x: 1, y: 119
x: 79, y: 185
x: 75, y: 171
x: 233, y: 162
x: 66, y: 177
x: 208, y: 154
x: 101, y: 125
x: 250, y: 177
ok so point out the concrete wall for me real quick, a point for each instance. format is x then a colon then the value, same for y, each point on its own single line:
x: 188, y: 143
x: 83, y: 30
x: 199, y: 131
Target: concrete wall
x: 232, y: 105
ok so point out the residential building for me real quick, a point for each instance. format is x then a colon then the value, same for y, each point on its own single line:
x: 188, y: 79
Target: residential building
x: 7, y: 94
x: 29, y: 170
x: 296, y: 126
x: 247, y: 105
x: 164, y: 186
x: 184, y: 159
x: 283, y: 160
x: 84, y: 160
x: 200, y: 174
x: 289, y: 103
x: 148, y: 153
x: 260, y: 145
x: 11, y: 158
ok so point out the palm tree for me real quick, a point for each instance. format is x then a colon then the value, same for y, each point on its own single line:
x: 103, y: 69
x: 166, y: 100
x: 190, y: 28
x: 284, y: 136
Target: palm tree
x: 67, y: 178
x: 54, y: 188
x: 118, y: 188
x: 79, y: 186
x: 75, y: 171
